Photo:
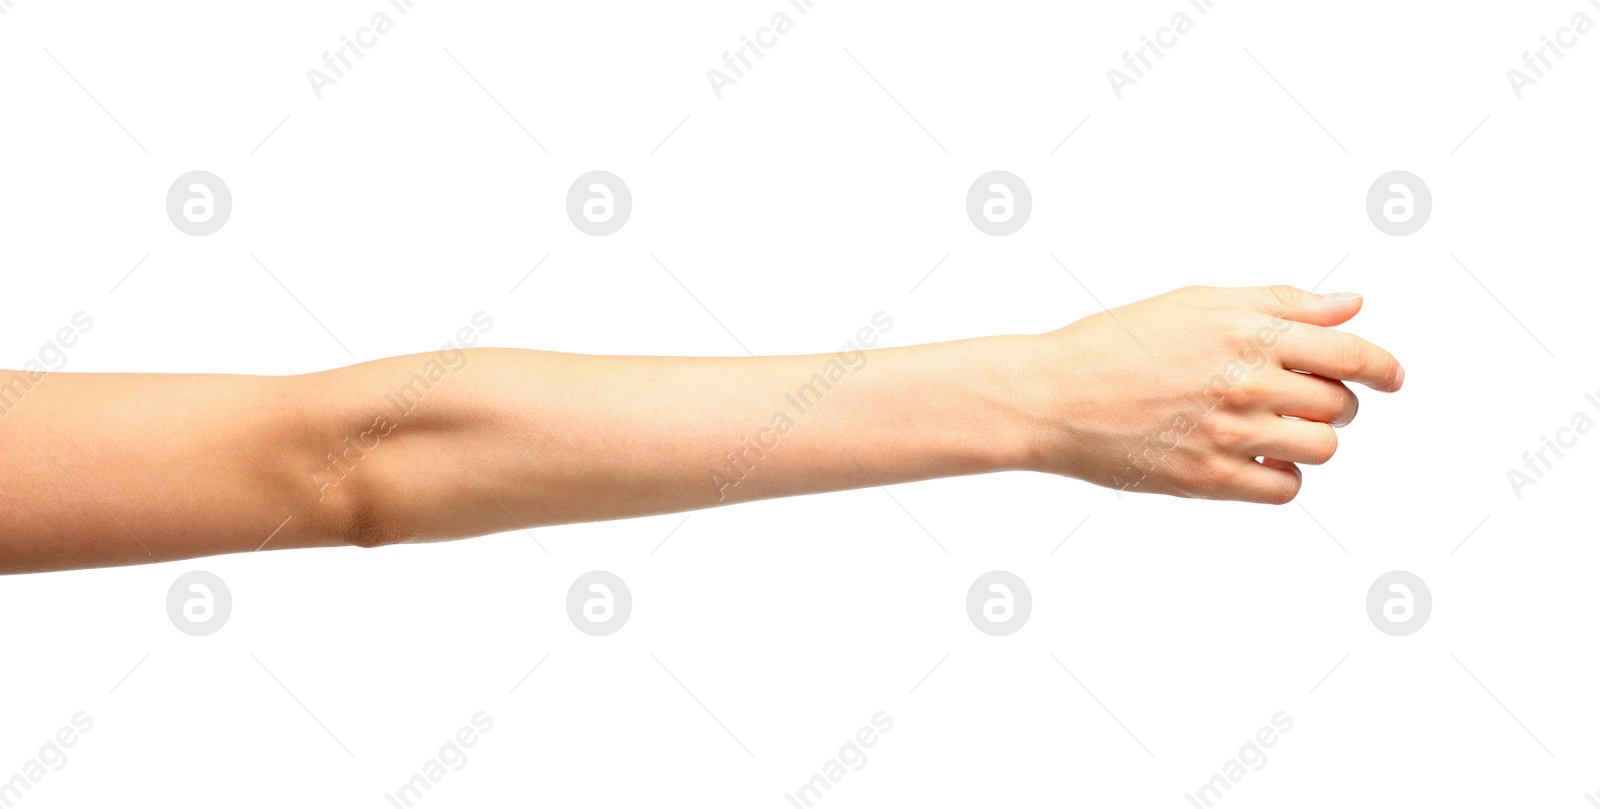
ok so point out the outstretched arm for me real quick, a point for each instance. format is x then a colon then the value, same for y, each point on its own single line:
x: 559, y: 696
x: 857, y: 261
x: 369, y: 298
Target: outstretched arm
x: 1179, y: 394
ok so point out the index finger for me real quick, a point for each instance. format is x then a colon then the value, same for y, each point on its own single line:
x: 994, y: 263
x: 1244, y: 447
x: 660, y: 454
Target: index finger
x: 1339, y: 355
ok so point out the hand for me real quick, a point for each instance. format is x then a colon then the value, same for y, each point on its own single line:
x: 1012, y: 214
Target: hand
x: 1181, y: 394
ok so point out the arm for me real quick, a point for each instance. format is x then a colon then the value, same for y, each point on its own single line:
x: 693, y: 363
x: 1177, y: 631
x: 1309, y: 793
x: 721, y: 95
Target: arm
x: 109, y: 469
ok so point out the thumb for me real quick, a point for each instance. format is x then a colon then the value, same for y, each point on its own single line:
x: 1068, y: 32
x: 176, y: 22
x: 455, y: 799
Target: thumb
x: 1293, y: 303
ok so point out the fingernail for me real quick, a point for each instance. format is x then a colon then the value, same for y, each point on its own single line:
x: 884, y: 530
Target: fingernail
x: 1340, y: 297
x: 1399, y: 378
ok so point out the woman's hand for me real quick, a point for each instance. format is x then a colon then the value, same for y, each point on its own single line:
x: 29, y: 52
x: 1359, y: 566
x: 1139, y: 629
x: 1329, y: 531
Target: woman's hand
x: 1182, y: 394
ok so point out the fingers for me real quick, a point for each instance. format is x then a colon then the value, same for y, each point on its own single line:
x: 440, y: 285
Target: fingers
x: 1277, y: 463
x: 1272, y: 481
x: 1296, y: 304
x: 1338, y: 355
x: 1295, y: 441
x: 1312, y: 397
x: 1293, y: 303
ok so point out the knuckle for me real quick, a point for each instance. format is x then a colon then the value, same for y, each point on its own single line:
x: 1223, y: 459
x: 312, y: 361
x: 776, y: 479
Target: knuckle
x: 1323, y: 445
x: 1286, y: 491
x: 1234, y: 332
x: 1334, y: 400
x: 1338, y: 398
x: 1284, y: 295
x: 1392, y: 376
x: 1347, y: 405
x: 1351, y: 360
x: 1245, y: 396
x: 1226, y: 435
x: 1211, y: 476
x: 1242, y: 330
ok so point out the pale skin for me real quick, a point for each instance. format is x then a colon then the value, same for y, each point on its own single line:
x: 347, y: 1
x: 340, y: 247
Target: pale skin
x: 118, y: 469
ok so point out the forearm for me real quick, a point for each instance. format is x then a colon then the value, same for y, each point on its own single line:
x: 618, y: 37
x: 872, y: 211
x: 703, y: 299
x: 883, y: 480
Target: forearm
x: 524, y: 438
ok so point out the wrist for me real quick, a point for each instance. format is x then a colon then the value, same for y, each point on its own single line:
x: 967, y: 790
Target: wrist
x: 1016, y: 373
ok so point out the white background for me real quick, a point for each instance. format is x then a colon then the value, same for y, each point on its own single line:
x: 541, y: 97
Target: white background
x: 793, y: 208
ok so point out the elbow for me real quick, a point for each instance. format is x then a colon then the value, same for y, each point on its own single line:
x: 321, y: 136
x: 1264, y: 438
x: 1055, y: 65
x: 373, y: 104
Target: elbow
x: 347, y: 487
x: 369, y: 527
x: 354, y: 512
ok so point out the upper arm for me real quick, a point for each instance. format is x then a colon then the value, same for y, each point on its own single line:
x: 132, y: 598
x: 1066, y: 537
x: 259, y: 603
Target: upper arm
x: 111, y: 469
